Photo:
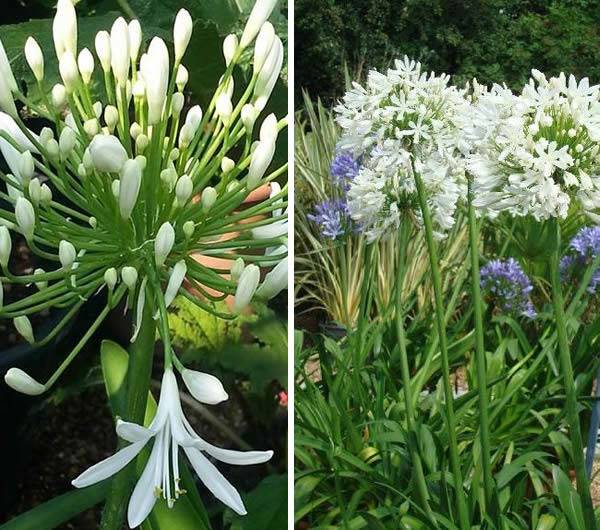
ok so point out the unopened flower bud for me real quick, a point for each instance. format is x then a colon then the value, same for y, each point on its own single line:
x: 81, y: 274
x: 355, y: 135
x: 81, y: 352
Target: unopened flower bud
x: 163, y: 244
x: 68, y: 71
x: 237, y: 267
x: 135, y: 39
x: 209, y: 197
x: 26, y: 166
x: 182, y: 31
x: 45, y: 194
x: 93, y: 222
x: 111, y: 278
x: 119, y: 51
x: 66, y: 254
x: 169, y: 177
x: 103, y: 49
x: 41, y: 284
x: 188, y: 229
x: 59, y: 96
x: 135, y: 130
x: 275, y: 281
x: 46, y: 134
x: 35, y: 58
x: 64, y: 28
x: 154, y: 68
x: 263, y: 45
x: 129, y: 275
x: 22, y: 382
x: 230, y: 45
x: 5, y: 246
x: 174, y: 154
x: 177, y: 104
x: 23, y: 326
x: 258, y: 16
x: 108, y: 154
x: 141, y: 143
x: 227, y: 165
x: 25, y: 215
x: 175, y: 280
x: 182, y: 77
x: 246, y: 288
x: 194, y: 117
x: 184, y: 189
x: 97, y: 107
x: 224, y: 107
x: 248, y: 116
x: 186, y: 134
x: 91, y: 127
x: 111, y: 117
x: 52, y: 149
x: 115, y: 188
x: 35, y: 191
x: 268, y: 129
x: 260, y: 161
x: 205, y: 388
x: 268, y: 75
x: 85, y: 61
x: 131, y: 178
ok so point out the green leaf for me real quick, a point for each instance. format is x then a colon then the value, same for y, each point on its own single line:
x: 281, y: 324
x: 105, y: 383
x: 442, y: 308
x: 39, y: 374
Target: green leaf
x: 569, y: 498
x: 58, y: 510
x: 266, y: 505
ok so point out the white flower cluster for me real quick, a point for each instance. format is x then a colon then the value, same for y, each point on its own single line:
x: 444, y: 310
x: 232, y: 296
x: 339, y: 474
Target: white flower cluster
x: 403, y: 121
x: 536, y: 153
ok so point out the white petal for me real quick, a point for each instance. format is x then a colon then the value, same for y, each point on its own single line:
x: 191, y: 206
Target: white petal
x: 215, y: 481
x: 8, y: 124
x: 143, y: 498
x: 276, y: 229
x: 108, y: 467
x: 238, y: 458
x: 206, y: 388
x: 141, y: 302
x: 132, y: 432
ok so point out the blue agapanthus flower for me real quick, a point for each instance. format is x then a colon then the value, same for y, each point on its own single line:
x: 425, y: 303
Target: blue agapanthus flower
x: 332, y: 217
x: 509, y: 287
x: 344, y: 169
x: 583, y: 248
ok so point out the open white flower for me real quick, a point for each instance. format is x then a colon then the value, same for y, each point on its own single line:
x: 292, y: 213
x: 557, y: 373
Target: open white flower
x: 160, y: 478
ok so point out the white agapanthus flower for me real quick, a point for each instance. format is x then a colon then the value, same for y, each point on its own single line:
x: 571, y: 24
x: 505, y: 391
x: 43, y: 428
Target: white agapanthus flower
x: 536, y: 153
x: 403, y: 121
x: 171, y: 431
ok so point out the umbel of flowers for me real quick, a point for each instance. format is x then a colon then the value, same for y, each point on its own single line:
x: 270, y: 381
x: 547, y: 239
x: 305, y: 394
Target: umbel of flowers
x: 121, y: 190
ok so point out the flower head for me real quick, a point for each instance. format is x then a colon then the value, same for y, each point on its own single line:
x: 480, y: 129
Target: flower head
x: 583, y: 249
x: 332, y: 218
x: 344, y: 168
x: 509, y: 287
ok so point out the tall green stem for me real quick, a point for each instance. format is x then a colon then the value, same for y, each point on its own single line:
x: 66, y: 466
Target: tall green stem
x: 410, y: 411
x: 484, y: 424
x: 583, y: 486
x: 138, y: 383
x: 461, y: 502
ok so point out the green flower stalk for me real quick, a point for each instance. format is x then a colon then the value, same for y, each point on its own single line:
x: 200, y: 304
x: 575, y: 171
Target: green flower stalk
x: 119, y: 193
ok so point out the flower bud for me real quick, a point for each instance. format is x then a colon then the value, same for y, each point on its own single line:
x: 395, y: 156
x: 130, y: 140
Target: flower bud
x: 135, y: 39
x: 205, y: 388
x: 131, y: 178
x: 103, y: 49
x: 108, y: 154
x: 182, y: 77
x: 66, y: 142
x: 268, y: 129
x: 68, y: 71
x: 85, y: 61
x: 177, y: 104
x: 209, y: 197
x: 6, y: 71
x: 186, y: 135
x: 141, y: 143
x: 66, y: 254
x: 42, y: 284
x: 22, y: 382
x: 5, y: 246
x: 26, y: 167
x: 59, y: 96
x: 111, y: 117
x: 230, y: 45
x: 7, y: 103
x: 35, y: 58
x: 182, y: 31
x: 111, y: 278
x: 246, y: 288
x: 237, y: 267
x: 52, y: 149
x: 260, y: 161
x: 155, y: 72
x: 25, y: 215
x: 175, y: 280
x: 263, y: 45
x: 93, y: 222
x: 91, y: 127
x: 194, y: 118
x: 64, y: 29
x: 119, y: 51
x: 184, y: 189
x: 275, y: 281
x: 46, y: 134
x: 138, y: 89
x: 165, y: 239
x: 227, y: 165
x: 35, y: 191
x: 129, y: 275
x: 258, y: 16
x: 97, y: 108
x: 169, y: 177
x: 45, y: 195
x: 135, y: 130
x: 23, y: 326
x: 188, y: 229
x: 224, y: 107
x: 268, y: 75
x: 248, y: 115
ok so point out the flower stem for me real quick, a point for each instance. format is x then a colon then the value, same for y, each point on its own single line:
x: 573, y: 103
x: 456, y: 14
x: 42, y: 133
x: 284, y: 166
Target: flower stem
x: 138, y: 383
x: 461, y: 503
x: 583, y: 486
x: 484, y: 424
